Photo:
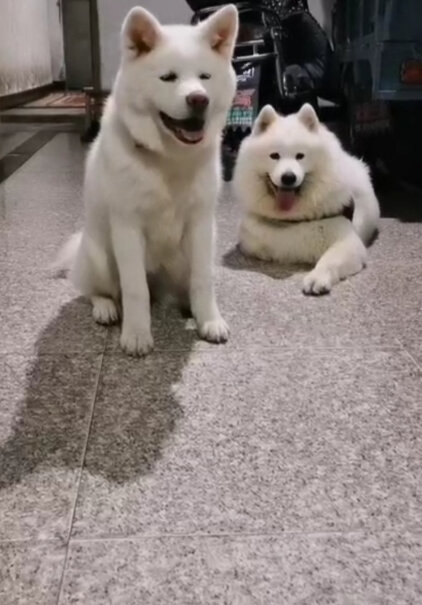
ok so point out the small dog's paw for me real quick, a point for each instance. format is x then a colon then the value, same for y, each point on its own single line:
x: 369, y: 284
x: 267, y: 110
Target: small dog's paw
x: 216, y: 331
x: 105, y: 311
x: 136, y: 343
x: 317, y: 282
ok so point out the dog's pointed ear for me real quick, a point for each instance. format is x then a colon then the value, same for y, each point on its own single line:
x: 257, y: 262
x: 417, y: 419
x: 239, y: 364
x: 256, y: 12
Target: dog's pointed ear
x: 141, y: 31
x: 221, y: 30
x: 307, y: 115
x: 265, y: 118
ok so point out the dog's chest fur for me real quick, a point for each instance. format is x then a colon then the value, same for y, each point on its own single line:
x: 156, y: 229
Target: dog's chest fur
x: 167, y: 196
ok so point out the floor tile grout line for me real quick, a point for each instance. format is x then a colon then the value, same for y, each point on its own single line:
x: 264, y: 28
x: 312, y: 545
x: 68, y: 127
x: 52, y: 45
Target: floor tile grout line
x: 204, y: 535
x: 79, y: 479
x: 116, y: 352
x: 248, y: 534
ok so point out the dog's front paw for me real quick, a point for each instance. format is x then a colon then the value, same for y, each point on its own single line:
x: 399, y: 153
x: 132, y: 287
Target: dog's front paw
x: 318, y: 282
x: 216, y: 330
x: 137, y: 343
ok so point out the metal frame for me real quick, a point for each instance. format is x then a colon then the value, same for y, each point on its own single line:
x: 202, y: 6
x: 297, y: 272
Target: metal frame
x: 242, y: 63
x: 94, y: 95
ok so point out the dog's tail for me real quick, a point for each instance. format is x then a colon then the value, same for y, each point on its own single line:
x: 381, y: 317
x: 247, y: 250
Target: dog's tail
x: 66, y: 256
x: 366, y: 213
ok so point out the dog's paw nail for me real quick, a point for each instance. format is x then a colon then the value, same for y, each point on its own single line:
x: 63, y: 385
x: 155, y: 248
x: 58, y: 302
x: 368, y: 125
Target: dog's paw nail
x: 216, y: 331
x: 137, y: 344
x: 317, y: 283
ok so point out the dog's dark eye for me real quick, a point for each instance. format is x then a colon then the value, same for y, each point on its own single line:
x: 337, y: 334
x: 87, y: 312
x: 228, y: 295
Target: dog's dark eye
x: 204, y: 76
x: 275, y: 156
x: 300, y: 156
x: 171, y: 76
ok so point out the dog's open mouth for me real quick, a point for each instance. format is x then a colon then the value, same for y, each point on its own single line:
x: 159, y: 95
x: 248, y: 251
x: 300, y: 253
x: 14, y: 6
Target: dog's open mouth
x: 189, y: 130
x: 285, y: 197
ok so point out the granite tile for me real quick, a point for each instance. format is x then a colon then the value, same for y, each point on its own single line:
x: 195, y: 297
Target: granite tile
x: 46, y: 315
x: 293, y: 569
x: 45, y: 407
x: 12, y: 161
x: 264, y: 307
x: 10, y: 164
x: 398, y: 242
x: 10, y: 140
x: 30, y: 574
x: 394, y: 292
x: 64, y: 153
x: 37, y: 213
x: 253, y: 441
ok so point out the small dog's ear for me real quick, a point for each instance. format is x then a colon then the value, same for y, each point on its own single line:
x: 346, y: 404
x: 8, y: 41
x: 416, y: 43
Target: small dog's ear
x: 307, y: 115
x: 265, y: 118
x: 221, y: 30
x: 141, y: 31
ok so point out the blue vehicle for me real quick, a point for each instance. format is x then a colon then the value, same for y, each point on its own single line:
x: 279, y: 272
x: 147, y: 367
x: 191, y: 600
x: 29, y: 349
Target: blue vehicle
x: 379, y: 49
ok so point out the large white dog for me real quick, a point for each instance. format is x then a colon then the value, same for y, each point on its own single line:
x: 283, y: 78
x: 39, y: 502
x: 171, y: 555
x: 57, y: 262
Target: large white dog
x: 153, y: 175
x: 295, y: 181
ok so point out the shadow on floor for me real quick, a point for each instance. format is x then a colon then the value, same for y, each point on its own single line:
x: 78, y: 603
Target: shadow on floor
x: 136, y: 409
x: 236, y: 260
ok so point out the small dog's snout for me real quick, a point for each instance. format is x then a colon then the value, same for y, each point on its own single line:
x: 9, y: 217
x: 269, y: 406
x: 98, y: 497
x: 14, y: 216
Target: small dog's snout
x: 288, y: 179
x: 197, y: 101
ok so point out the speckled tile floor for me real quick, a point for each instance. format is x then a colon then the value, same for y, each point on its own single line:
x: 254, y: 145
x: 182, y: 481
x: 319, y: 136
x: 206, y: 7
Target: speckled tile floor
x: 284, y: 468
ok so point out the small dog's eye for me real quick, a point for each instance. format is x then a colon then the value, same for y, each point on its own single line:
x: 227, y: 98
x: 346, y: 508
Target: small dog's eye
x: 204, y: 76
x: 275, y: 156
x: 171, y: 76
x: 300, y: 156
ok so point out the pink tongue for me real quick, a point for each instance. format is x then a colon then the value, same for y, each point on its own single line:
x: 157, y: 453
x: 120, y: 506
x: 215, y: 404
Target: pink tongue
x: 285, y: 199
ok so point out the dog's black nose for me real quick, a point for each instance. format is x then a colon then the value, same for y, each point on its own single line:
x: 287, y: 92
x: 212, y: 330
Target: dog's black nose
x: 197, y: 101
x: 288, y: 179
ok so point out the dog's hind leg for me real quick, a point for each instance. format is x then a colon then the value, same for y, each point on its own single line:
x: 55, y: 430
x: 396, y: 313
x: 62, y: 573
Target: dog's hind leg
x: 346, y: 257
x: 104, y: 310
x: 94, y: 275
x: 177, y: 272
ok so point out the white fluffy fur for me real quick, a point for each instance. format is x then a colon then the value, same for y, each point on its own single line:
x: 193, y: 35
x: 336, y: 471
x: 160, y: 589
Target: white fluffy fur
x: 330, y: 179
x: 150, y: 198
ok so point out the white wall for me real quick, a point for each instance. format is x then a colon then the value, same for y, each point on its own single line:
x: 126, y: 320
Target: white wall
x: 56, y: 39
x: 111, y: 14
x: 25, y: 59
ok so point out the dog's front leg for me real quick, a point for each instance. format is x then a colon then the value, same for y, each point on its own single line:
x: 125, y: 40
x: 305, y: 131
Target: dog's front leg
x: 211, y: 325
x: 344, y: 258
x: 129, y: 249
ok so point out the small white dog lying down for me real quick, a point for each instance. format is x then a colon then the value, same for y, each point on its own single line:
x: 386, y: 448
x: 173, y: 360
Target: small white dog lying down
x: 153, y: 174
x: 295, y: 180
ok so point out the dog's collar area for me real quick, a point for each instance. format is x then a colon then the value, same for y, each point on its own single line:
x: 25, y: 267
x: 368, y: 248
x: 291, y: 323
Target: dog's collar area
x: 346, y: 212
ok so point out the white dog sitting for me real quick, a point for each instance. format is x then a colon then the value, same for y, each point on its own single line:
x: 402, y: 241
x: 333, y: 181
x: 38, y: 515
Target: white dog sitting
x: 153, y: 175
x: 295, y: 181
